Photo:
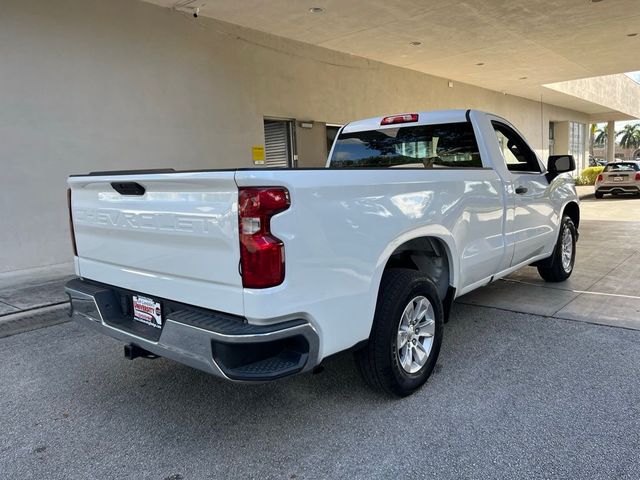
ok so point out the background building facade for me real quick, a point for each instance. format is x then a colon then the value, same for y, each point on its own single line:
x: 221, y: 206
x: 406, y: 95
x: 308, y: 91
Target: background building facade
x: 88, y: 85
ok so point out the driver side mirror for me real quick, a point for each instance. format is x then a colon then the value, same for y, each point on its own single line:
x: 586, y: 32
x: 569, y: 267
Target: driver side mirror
x: 558, y: 164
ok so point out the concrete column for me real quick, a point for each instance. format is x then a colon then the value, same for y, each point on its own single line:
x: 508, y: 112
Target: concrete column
x: 561, y: 138
x: 611, y: 141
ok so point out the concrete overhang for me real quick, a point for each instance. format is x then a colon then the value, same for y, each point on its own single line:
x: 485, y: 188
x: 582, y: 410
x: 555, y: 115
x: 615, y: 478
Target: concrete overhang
x: 527, y: 48
x: 617, y: 95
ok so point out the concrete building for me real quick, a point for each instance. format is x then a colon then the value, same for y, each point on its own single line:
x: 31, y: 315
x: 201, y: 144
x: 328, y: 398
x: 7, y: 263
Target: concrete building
x: 90, y: 85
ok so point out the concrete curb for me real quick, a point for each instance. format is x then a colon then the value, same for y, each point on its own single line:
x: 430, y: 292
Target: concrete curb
x: 585, y: 192
x: 21, y: 322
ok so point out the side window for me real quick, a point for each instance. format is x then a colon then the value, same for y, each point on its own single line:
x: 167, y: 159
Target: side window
x: 517, y: 154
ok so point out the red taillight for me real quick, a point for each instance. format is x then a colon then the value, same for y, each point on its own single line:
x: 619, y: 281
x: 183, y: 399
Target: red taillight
x: 600, y: 178
x: 404, y: 118
x: 71, y: 231
x: 261, y: 253
x: 638, y: 177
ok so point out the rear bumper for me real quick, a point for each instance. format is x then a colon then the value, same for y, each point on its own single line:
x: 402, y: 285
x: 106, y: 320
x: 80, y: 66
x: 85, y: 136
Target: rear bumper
x: 618, y: 189
x: 220, y: 344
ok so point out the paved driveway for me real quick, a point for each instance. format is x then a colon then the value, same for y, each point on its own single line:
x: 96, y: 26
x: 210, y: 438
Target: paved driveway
x: 514, y: 395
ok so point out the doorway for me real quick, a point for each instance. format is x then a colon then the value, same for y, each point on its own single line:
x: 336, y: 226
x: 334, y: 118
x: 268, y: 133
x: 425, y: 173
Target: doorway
x: 279, y: 143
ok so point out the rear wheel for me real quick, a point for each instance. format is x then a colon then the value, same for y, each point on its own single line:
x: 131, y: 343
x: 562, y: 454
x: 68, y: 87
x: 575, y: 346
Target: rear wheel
x: 564, y: 254
x: 599, y: 195
x: 406, y: 335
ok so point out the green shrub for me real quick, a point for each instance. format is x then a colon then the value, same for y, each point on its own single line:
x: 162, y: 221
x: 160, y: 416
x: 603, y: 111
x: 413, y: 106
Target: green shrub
x: 581, y: 181
x: 589, y: 175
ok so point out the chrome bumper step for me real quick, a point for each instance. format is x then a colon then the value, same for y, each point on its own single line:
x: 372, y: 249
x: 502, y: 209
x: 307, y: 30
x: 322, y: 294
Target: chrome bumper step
x: 215, y: 342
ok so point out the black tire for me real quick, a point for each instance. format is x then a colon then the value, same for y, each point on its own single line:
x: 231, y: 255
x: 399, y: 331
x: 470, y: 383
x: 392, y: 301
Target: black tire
x: 555, y: 271
x: 378, y: 361
x: 599, y: 195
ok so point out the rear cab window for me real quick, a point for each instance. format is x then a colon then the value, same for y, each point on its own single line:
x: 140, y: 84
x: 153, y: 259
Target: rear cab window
x: 622, y: 167
x: 450, y: 145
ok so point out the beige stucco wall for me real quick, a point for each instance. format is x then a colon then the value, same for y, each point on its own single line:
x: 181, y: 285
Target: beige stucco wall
x: 117, y: 84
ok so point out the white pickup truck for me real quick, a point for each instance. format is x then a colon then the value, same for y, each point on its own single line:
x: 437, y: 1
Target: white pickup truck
x: 257, y: 274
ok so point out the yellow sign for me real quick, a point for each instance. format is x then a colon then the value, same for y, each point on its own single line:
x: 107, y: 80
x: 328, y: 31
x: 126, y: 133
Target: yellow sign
x: 257, y: 153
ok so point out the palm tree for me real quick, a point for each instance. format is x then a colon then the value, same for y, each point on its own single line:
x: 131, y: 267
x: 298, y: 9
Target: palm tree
x: 630, y: 136
x: 601, y: 135
x: 592, y: 135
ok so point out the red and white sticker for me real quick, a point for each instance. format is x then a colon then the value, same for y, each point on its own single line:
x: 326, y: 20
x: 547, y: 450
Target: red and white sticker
x: 147, y: 311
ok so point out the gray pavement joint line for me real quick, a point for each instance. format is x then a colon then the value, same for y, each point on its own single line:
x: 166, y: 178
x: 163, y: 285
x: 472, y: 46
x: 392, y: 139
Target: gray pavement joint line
x: 7, y: 304
x: 635, y: 252
x: 544, y: 286
x: 574, y: 291
x: 550, y: 317
x: 33, y: 312
x: 552, y: 287
x: 566, y: 304
x: 24, y: 322
x: 32, y: 309
x: 579, y: 292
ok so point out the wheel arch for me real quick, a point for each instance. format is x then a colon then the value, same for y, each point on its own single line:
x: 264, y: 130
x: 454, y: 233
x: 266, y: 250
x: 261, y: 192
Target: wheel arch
x: 431, y: 250
x: 572, y: 210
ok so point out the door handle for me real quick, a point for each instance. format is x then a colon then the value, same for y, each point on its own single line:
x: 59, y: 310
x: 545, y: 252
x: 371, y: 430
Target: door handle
x: 521, y: 190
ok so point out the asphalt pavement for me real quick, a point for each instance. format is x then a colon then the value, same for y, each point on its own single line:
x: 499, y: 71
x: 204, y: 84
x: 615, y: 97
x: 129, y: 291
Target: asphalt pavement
x: 513, y: 396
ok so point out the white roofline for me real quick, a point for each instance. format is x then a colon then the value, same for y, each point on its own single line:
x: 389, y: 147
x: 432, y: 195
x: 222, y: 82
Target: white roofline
x: 424, y: 118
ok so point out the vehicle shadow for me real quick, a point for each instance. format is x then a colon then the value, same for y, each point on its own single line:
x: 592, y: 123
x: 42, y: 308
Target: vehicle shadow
x: 622, y: 196
x: 185, y: 398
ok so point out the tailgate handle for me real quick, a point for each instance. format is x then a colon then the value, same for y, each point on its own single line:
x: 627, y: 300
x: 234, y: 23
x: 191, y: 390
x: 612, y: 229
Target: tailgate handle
x: 128, y: 188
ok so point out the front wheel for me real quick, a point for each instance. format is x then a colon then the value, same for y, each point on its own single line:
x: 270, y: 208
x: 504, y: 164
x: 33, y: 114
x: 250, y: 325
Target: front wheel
x: 564, y: 254
x: 406, y: 335
x: 599, y: 195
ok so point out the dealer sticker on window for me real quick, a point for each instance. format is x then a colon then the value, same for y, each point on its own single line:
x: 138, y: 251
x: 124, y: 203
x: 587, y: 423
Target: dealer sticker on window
x: 147, y: 311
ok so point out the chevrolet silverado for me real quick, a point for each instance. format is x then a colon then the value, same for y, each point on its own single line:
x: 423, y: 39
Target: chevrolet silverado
x: 257, y: 274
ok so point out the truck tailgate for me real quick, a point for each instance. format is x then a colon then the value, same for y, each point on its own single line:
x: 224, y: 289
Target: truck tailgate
x: 178, y: 240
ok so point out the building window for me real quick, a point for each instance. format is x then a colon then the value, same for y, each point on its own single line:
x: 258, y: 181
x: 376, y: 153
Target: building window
x: 577, y: 142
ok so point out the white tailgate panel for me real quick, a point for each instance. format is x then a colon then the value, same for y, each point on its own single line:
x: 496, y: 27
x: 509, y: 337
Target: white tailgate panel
x: 177, y: 241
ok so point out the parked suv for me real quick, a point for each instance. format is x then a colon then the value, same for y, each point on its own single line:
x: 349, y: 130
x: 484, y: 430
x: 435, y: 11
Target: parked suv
x: 617, y: 178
